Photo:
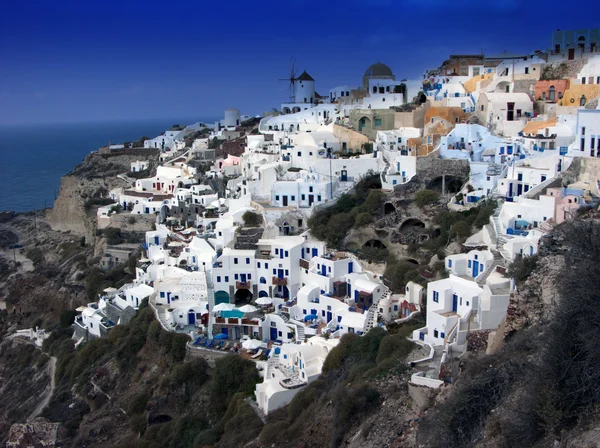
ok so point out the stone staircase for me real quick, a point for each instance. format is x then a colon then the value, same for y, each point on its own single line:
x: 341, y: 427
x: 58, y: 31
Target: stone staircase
x: 272, y: 364
x: 301, y: 335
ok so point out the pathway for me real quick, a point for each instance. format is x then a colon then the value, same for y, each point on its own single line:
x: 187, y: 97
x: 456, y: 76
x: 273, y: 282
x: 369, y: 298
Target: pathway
x: 42, y: 404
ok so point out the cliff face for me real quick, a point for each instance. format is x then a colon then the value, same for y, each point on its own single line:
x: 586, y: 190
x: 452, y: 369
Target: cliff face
x: 74, y: 209
x: 69, y: 212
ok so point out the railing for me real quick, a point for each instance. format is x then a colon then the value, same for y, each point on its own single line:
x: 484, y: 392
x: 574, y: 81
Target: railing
x: 242, y: 285
x: 279, y: 281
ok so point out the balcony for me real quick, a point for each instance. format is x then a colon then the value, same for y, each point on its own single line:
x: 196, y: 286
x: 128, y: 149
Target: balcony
x: 280, y: 281
x: 304, y: 264
x: 263, y: 254
x: 242, y: 285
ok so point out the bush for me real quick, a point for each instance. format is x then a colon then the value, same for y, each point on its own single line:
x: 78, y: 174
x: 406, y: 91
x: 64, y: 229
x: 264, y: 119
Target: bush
x: 362, y: 220
x: 426, y: 197
x: 522, y: 267
x: 193, y: 373
x: 178, y: 344
x: 252, y: 219
x: 35, y: 255
x: 232, y: 374
x: 138, y: 403
x: 67, y: 318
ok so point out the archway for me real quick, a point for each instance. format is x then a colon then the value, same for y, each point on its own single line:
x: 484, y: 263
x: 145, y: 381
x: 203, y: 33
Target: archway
x: 389, y: 208
x: 552, y: 93
x: 263, y: 294
x: 412, y: 223
x: 364, y: 122
x: 243, y: 297
x: 377, y: 244
x: 221, y: 297
x: 263, y: 280
x: 285, y: 110
x: 422, y: 98
x: 446, y: 184
x: 295, y: 110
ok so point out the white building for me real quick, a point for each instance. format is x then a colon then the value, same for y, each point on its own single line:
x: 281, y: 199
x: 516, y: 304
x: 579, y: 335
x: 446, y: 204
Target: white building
x: 139, y: 165
x: 587, y: 138
x: 472, y: 264
x: 505, y: 113
x: 290, y: 368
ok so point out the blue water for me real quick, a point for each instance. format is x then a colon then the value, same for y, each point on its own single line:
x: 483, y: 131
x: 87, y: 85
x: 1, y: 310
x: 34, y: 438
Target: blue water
x: 34, y: 157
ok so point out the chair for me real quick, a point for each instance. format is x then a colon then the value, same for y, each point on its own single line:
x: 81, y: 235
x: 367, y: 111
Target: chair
x: 257, y: 354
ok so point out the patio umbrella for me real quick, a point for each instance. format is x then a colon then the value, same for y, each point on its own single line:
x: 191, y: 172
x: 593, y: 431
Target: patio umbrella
x: 264, y: 301
x: 223, y: 307
x: 251, y: 344
x: 248, y: 309
x: 220, y: 336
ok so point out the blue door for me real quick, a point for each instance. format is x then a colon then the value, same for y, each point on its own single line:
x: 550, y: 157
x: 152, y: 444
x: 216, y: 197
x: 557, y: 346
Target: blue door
x: 329, y: 316
x: 455, y: 303
x: 314, y: 312
x: 349, y: 290
x: 156, y: 241
x: 168, y: 297
x: 191, y: 318
x: 280, y: 253
x: 324, y: 270
x: 279, y: 273
x: 243, y: 277
x: 315, y: 252
x: 530, y: 250
x: 475, y: 269
x: 273, y: 334
x: 519, y: 189
x: 421, y: 336
x: 350, y: 267
x: 225, y: 330
x: 510, y: 192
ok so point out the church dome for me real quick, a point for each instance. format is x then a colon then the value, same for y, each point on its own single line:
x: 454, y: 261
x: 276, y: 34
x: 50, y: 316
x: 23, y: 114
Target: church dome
x: 379, y: 69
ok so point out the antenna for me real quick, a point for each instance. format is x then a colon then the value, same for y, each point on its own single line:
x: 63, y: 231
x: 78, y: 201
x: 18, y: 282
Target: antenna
x: 291, y: 78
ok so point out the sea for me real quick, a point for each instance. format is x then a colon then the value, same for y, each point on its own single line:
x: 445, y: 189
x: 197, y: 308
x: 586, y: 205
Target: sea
x: 33, y: 157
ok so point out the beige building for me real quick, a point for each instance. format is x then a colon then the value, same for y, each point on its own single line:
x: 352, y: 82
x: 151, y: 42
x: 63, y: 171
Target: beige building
x: 351, y: 141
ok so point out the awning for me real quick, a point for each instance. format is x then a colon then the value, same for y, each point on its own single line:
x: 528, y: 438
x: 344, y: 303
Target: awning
x: 232, y: 313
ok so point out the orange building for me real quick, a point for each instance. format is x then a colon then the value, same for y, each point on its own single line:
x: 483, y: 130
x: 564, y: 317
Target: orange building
x: 450, y: 114
x: 551, y: 90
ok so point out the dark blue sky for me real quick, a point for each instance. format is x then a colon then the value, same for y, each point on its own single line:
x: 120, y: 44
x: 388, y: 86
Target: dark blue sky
x: 88, y: 60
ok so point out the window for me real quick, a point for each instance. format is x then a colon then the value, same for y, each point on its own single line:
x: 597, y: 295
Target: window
x: 488, y: 178
x: 303, y: 197
x: 266, y: 265
x: 293, y: 198
x: 249, y: 276
x: 310, y: 189
x: 276, y: 197
x: 436, y: 296
x: 276, y: 251
x: 162, y: 294
x: 218, y: 279
x: 236, y: 276
x: 247, y: 260
x: 449, y: 263
x: 526, y: 70
x: 592, y: 142
x: 287, y: 272
x: 583, y: 130
x: 227, y: 278
x: 482, y: 108
x: 377, y: 121
x: 469, y: 263
x: 435, y: 333
x: 287, y: 254
x: 501, y: 149
x: 235, y: 261
x: 299, y: 153
x: 582, y: 101
x: 258, y: 264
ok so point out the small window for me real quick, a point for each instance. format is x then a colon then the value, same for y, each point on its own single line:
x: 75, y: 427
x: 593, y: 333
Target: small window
x: 436, y: 296
x: 236, y: 277
x: 235, y: 261
x: 218, y: 279
x: 247, y: 260
x: 227, y: 278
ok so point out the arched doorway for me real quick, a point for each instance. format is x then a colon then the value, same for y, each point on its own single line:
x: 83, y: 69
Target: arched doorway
x: 221, y: 297
x: 377, y: 244
x: 263, y: 294
x: 552, y: 93
x: 389, y: 208
x: 191, y: 317
x: 364, y: 122
x: 262, y: 280
x: 242, y: 297
x: 412, y: 223
x: 285, y: 110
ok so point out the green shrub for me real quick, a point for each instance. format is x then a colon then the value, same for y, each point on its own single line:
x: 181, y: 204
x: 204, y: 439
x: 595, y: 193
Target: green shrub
x: 522, y: 267
x: 35, y: 255
x: 67, y: 318
x: 138, y: 403
x: 178, y: 344
x: 362, y: 220
x: 426, y: 197
x: 252, y: 219
x: 232, y: 374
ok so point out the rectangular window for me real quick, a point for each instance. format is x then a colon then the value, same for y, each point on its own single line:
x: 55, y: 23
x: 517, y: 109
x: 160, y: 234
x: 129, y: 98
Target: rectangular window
x: 469, y: 263
x: 287, y: 254
x: 235, y: 261
x: 436, y: 296
x: 162, y: 294
x: 293, y: 198
x: 227, y: 278
x: 583, y: 130
x: 303, y: 197
x: 247, y: 260
x: 287, y: 272
x: 449, y: 263
x: 377, y: 121
x: 276, y: 197
x: 299, y: 153
x: 258, y: 264
x: 274, y: 271
x: 592, y: 142
x: 310, y: 189
x: 249, y: 276
x: 236, y: 276
x: 276, y: 251
x: 501, y: 149
x: 218, y: 279
x: 266, y: 265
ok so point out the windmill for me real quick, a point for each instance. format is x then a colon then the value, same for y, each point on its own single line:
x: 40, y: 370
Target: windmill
x: 291, y: 79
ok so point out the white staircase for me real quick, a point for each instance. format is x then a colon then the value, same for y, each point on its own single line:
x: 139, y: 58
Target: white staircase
x: 498, y: 261
x: 371, y: 317
x: 211, y: 302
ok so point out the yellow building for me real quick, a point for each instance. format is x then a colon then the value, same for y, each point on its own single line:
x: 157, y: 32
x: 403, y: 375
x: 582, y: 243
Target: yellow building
x: 471, y: 85
x: 580, y: 94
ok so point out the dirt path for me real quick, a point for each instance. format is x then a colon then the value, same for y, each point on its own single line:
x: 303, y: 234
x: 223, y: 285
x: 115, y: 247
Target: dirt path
x: 40, y: 407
